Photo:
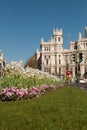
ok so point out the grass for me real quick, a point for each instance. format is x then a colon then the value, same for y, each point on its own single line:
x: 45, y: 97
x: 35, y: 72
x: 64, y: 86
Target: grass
x: 62, y: 109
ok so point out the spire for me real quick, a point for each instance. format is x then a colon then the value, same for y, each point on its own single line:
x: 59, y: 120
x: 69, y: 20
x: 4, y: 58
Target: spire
x: 42, y: 40
x: 51, y: 39
x: 79, y: 36
x: 86, y: 32
x: 57, y: 32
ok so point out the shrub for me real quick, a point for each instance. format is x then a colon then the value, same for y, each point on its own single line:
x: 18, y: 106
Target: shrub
x: 18, y: 80
x: 14, y: 93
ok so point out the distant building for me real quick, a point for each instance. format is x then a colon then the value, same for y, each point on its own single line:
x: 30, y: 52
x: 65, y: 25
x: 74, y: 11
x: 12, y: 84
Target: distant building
x: 57, y: 60
x: 2, y: 63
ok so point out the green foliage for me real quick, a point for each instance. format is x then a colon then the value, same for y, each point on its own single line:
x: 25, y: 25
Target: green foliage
x: 62, y: 109
x: 17, y: 80
x: 13, y: 79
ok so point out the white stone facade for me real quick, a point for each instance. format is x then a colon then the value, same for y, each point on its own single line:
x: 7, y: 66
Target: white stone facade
x: 57, y: 60
x: 2, y: 63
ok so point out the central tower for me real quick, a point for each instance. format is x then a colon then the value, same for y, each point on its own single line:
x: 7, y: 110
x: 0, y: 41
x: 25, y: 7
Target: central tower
x: 58, y: 38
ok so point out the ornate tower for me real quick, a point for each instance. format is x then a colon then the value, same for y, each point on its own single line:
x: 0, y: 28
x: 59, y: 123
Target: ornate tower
x: 58, y: 38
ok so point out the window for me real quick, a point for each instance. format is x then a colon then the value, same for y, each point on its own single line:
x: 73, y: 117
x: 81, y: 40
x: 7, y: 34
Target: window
x: 59, y: 56
x: 55, y: 56
x: 75, y: 47
x: 86, y: 44
x: 85, y: 69
x: 55, y: 70
x: 44, y: 48
x: 46, y: 61
x: 55, y: 61
x: 45, y: 57
x: 46, y: 69
x: 59, y: 71
x: 59, y: 39
x: 66, y: 61
x: 59, y: 61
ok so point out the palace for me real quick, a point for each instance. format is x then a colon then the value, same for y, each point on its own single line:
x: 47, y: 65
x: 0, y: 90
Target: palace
x: 56, y: 60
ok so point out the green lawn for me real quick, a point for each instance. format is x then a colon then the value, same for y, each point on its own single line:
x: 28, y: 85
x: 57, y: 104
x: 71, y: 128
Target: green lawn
x: 62, y: 109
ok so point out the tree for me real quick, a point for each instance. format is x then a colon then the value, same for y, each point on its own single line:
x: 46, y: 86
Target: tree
x: 32, y: 62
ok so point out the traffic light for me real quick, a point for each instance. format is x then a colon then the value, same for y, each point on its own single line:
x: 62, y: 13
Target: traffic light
x: 80, y: 57
x: 73, y: 57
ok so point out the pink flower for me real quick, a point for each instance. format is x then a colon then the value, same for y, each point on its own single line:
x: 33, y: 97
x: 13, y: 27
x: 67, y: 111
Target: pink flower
x: 34, y: 91
x: 14, y: 89
x: 22, y: 92
x: 5, y: 90
x: 9, y: 94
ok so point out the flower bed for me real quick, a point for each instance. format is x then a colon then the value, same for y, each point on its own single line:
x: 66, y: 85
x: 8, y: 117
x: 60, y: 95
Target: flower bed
x: 14, y: 93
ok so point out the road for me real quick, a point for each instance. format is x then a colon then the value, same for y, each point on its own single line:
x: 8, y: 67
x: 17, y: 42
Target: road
x: 82, y: 85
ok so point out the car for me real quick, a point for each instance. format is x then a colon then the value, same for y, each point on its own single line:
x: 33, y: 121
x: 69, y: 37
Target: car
x: 82, y: 80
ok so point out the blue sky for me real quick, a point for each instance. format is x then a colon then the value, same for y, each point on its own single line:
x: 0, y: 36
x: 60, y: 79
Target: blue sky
x: 24, y: 22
